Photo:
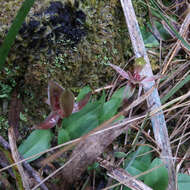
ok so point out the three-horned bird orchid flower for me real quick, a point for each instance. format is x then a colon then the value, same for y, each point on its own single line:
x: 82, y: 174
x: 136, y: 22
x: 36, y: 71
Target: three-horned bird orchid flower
x: 62, y: 103
x: 135, y: 78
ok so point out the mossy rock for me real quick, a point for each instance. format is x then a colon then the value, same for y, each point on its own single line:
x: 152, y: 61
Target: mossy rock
x: 71, y: 64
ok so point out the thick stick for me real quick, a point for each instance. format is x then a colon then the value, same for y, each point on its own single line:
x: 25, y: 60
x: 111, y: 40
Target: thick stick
x: 153, y: 101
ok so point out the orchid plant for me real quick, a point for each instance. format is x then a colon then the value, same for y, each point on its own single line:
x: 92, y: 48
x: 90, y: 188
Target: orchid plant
x: 62, y: 103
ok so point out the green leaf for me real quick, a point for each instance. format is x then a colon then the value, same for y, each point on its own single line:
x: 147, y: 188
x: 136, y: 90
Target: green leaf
x: 158, y: 178
x: 92, y: 115
x: 63, y: 136
x: 83, y: 92
x: 37, y: 141
x: 81, y: 122
x: 183, y: 181
x: 138, y: 161
x: 119, y: 94
x: 120, y: 155
x: 13, y: 31
x: 142, y: 154
x: 109, y: 109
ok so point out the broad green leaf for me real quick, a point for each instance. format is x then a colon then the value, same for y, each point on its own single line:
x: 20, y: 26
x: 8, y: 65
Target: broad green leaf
x: 183, y: 181
x: 83, y: 92
x: 81, y: 122
x: 92, y: 115
x: 142, y: 154
x: 158, y: 178
x: 37, y: 141
x: 13, y: 31
x: 109, y: 109
x: 63, y: 136
x: 122, y: 93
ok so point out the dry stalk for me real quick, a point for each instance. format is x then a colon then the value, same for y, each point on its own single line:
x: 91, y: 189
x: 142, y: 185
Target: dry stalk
x: 16, y: 158
x: 153, y: 101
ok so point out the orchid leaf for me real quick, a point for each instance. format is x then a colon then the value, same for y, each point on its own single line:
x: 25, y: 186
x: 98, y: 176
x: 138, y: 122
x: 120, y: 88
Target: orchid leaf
x: 138, y: 161
x: 38, y: 141
x: 81, y: 122
x: 67, y: 102
x: 92, y: 115
x: 63, y: 136
x: 83, y: 92
x: 110, y: 107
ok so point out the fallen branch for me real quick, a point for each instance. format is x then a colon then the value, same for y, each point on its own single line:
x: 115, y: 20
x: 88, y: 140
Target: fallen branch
x: 153, y: 101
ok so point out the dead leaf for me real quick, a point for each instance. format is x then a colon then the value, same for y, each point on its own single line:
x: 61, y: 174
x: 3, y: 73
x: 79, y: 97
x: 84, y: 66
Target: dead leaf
x: 87, y: 152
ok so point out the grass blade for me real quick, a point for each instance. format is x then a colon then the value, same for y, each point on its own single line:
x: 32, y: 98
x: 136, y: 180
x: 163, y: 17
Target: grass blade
x: 14, y: 29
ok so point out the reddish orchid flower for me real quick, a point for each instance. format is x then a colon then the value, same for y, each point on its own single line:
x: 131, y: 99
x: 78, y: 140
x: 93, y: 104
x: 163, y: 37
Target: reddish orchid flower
x: 62, y: 103
x: 135, y: 78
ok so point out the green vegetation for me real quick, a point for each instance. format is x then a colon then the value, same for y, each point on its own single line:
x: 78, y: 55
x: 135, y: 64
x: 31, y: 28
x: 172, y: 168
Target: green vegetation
x: 96, y: 38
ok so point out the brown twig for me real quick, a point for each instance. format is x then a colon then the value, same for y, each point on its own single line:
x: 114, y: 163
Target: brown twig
x: 123, y: 176
x: 16, y: 158
x: 175, y: 49
x: 153, y: 101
